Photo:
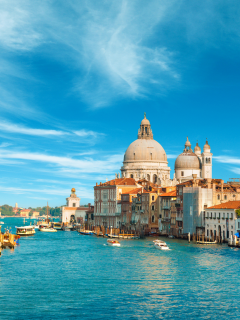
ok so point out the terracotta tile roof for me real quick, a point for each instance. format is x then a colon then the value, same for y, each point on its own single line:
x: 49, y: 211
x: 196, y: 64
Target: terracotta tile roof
x: 169, y: 194
x: 134, y: 191
x: 121, y: 181
x: 227, y: 205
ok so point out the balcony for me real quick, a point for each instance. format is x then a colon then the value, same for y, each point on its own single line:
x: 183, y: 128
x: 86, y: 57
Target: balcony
x: 167, y: 207
x: 179, y: 219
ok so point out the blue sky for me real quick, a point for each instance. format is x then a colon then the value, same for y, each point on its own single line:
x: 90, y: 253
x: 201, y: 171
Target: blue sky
x: 77, y: 76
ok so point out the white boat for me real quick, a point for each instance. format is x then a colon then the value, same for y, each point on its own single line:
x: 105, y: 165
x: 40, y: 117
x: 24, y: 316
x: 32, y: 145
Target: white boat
x: 25, y: 231
x: 47, y: 229
x: 159, y: 244
x: 113, y: 243
x: 1, y: 222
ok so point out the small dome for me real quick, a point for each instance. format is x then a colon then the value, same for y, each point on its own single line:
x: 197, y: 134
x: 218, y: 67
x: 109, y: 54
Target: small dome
x: 197, y: 148
x: 187, y: 160
x: 145, y: 122
x: 206, y: 146
x: 143, y: 149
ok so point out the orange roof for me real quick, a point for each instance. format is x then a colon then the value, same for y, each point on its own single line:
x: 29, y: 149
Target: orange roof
x: 134, y: 191
x: 169, y: 194
x: 25, y: 210
x: 117, y: 182
x: 227, y: 205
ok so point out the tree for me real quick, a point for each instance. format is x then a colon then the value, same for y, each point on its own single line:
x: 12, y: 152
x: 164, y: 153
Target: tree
x: 238, y: 212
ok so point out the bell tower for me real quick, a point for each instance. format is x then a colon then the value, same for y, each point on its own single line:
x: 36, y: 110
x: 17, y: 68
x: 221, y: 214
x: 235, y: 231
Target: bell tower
x: 206, y: 162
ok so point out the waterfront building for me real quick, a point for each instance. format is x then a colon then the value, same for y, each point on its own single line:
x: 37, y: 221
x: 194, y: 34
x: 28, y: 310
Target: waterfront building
x: 189, y: 163
x: 165, y: 200
x: 89, y: 221
x: 73, y: 212
x: 25, y: 213
x: 35, y: 214
x: 222, y: 220
x: 146, y: 159
x: 107, y: 200
x: 126, y: 207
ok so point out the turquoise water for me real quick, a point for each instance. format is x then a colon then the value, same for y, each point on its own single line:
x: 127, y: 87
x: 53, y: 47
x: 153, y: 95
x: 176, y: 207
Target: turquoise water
x: 66, y: 275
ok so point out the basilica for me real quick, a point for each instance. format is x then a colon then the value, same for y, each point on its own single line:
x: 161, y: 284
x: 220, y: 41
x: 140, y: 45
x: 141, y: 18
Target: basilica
x: 145, y: 158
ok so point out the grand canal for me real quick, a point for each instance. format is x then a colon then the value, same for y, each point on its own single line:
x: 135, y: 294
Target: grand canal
x: 65, y: 275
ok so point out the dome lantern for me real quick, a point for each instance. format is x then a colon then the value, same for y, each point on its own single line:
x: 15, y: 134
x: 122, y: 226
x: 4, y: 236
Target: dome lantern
x: 145, y: 131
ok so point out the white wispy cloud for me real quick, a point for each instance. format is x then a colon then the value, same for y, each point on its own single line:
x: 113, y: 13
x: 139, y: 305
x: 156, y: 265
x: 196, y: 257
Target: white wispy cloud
x: 227, y: 159
x: 14, y: 128
x: 106, y: 165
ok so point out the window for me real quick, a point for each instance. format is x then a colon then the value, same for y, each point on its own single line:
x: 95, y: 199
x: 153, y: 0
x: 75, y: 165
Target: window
x: 152, y: 207
x: 134, y: 156
x: 219, y: 215
x: 152, y: 218
x: 211, y: 215
x: 207, y: 214
x: 146, y: 129
x: 231, y: 215
x: 234, y: 196
x: 228, y: 215
x: 74, y: 204
x: 225, y: 197
x: 160, y: 217
x: 207, y: 233
x: 131, y: 175
x: 151, y: 155
x: 215, y: 215
x: 218, y: 196
x: 152, y: 197
x: 182, y: 173
x: 223, y: 215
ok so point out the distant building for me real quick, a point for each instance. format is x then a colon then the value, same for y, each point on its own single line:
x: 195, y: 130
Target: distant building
x: 73, y: 211
x: 35, y: 214
x: 25, y: 213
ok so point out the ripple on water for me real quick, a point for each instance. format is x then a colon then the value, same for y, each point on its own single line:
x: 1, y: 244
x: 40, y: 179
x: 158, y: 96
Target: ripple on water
x: 65, y: 276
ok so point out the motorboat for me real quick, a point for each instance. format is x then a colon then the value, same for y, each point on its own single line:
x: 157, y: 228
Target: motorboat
x: 113, y: 243
x: 86, y: 232
x: 25, y: 231
x: 46, y: 229
x: 159, y: 244
x: 57, y: 225
x: 171, y: 236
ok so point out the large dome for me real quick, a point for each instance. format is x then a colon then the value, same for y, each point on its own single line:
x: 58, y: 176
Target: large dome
x: 187, y: 160
x: 145, y: 149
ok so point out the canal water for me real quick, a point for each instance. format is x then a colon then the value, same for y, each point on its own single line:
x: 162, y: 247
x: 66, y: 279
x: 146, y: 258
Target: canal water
x: 65, y: 275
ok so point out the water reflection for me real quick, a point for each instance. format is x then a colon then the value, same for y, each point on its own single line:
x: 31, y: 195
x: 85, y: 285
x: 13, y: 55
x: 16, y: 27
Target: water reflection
x: 65, y: 275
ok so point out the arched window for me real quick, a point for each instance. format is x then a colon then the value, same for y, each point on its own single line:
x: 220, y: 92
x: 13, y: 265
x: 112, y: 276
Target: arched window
x: 154, y: 178
x: 182, y: 173
x: 152, y: 218
x: 131, y: 175
x: 148, y: 177
x: 134, y: 156
x: 225, y: 197
x: 218, y: 196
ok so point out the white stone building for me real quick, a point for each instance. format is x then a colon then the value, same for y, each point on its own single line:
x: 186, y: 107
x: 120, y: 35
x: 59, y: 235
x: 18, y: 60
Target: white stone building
x: 73, y: 211
x: 146, y: 159
x: 189, y: 163
x: 222, y: 220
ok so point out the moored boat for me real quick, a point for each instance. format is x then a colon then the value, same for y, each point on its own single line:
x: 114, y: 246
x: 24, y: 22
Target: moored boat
x: 45, y: 228
x: 86, y: 232
x: 113, y: 243
x: 159, y: 244
x: 25, y: 231
x: 57, y: 225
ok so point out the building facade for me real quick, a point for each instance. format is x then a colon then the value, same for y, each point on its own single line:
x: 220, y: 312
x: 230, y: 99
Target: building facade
x: 222, y: 221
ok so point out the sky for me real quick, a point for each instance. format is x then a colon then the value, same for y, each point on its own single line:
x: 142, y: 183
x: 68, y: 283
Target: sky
x: 77, y: 76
